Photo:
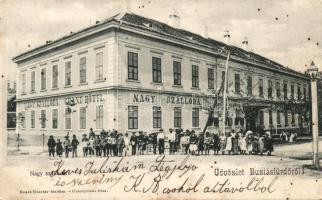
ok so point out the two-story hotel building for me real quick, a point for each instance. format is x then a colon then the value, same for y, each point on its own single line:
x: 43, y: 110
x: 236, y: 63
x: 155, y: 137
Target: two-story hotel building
x: 132, y: 73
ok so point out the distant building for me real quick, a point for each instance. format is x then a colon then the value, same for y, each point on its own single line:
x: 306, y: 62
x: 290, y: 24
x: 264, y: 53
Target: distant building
x: 11, y: 105
x: 132, y: 73
x: 320, y: 101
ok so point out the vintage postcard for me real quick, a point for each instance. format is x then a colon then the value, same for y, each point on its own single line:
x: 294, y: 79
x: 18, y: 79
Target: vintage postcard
x: 147, y: 99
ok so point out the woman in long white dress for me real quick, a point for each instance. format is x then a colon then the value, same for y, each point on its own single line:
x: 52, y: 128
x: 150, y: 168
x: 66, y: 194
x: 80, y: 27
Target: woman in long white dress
x: 242, y: 144
x: 229, y: 144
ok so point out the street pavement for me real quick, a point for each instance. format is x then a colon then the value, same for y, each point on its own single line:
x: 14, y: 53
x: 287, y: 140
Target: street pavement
x: 290, y: 155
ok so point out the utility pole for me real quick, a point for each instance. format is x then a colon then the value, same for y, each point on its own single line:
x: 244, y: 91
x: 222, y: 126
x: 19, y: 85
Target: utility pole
x: 225, y: 96
x: 312, y: 71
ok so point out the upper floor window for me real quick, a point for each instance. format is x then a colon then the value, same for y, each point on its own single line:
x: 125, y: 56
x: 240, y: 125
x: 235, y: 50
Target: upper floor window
x: 132, y: 60
x: 23, y: 84
x: 99, y: 66
x: 156, y: 70
x: 68, y: 73
x: 304, y: 92
x: 278, y: 90
x: 237, y: 83
x: 82, y: 70
x: 299, y: 94
x: 249, y: 86
x: 33, y: 81
x: 211, y: 78
x: 55, y: 76
x: 285, y: 90
x: 261, y: 87
x: 195, y: 76
x: 292, y: 91
x: 43, y: 79
x: 176, y: 73
x: 270, y: 89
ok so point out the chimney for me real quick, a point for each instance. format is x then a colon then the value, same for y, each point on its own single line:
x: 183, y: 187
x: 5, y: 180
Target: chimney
x: 174, y: 19
x: 127, y: 6
x: 227, y: 37
x: 205, y: 31
x: 245, y: 44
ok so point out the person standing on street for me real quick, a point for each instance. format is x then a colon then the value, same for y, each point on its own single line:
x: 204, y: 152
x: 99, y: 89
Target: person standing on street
x: 51, y: 146
x: 172, y: 141
x: 161, y: 141
x: 66, y: 145
x: 133, y: 140
x: 75, y: 143
x: 59, y: 148
x: 127, y: 145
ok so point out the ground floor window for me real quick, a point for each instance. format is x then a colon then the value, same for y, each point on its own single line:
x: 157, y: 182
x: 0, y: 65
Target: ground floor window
x: 32, y: 119
x: 157, y: 117
x: 133, y: 117
x: 270, y: 117
x: 99, y: 117
x: 55, y: 119
x: 82, y: 118
x: 68, y: 121
x: 22, y: 119
x: 300, y: 119
x: 293, y: 119
x: 43, y: 119
x: 261, y: 118
x: 229, y: 121
x: 278, y: 117
x: 286, y: 118
x: 195, y: 117
x: 177, y: 117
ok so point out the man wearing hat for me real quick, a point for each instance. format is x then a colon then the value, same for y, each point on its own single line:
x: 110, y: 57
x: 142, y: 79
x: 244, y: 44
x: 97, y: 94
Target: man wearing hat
x: 172, y: 141
x: 133, y: 140
x: 161, y: 141
x: 66, y: 145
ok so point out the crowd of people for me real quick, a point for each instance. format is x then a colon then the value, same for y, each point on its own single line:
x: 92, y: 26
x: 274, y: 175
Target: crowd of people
x: 178, y: 141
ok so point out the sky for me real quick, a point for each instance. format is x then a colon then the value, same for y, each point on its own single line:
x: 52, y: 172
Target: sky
x: 286, y: 31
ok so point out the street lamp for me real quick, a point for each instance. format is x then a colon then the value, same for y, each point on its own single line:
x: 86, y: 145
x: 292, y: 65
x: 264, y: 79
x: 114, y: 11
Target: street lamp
x: 312, y: 71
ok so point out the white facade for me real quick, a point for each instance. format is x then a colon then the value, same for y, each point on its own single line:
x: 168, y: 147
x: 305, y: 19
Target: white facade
x: 115, y: 91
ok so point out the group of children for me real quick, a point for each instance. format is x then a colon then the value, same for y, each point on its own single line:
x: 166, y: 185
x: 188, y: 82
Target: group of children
x: 113, y: 143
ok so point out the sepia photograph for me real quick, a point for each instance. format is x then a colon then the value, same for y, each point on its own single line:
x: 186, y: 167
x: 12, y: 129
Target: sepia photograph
x: 147, y: 99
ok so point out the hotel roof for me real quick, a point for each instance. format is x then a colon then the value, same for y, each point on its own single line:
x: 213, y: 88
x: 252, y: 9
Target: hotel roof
x: 143, y: 23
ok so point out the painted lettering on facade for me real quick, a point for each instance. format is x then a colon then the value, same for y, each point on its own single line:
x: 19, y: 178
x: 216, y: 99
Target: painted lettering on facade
x: 42, y: 103
x: 184, y: 100
x: 90, y: 98
x: 145, y: 98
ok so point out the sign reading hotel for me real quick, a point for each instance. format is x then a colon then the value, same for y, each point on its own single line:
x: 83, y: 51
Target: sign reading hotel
x: 53, y: 102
